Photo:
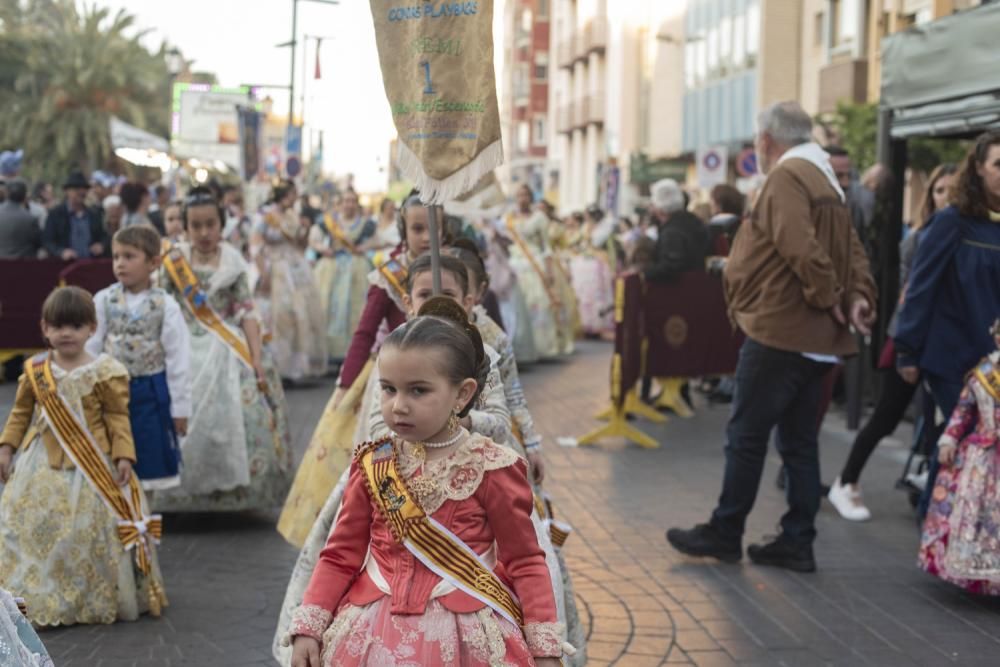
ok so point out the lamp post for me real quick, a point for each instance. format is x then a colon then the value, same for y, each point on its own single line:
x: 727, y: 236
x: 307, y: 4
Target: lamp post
x: 293, y: 43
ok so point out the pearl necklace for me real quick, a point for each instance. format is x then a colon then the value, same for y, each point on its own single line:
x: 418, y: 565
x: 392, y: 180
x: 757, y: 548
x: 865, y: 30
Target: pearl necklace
x: 461, y: 433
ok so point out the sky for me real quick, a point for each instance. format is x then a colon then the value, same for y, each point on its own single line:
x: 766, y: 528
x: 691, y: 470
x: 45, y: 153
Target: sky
x: 236, y: 40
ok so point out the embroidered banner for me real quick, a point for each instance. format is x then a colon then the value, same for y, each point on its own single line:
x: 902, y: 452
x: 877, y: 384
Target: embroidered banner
x: 437, y: 67
x: 443, y: 552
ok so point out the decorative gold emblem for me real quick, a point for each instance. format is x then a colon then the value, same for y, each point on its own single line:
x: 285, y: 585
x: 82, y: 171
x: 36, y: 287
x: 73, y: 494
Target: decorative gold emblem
x: 675, y: 331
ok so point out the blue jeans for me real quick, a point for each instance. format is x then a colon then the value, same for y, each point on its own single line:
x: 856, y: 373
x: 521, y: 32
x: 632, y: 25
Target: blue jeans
x: 774, y: 388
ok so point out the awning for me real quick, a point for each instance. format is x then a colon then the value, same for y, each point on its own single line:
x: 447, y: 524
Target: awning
x: 135, y: 145
x: 942, y: 78
x: 124, y: 135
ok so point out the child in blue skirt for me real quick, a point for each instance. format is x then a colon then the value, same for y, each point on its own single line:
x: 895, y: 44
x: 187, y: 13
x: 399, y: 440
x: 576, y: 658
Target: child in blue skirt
x: 142, y: 327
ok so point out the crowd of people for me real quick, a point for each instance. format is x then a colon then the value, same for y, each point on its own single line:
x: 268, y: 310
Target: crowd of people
x: 419, y: 506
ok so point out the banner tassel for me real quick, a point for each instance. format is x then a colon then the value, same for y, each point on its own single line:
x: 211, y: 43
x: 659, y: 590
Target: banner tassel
x: 434, y: 191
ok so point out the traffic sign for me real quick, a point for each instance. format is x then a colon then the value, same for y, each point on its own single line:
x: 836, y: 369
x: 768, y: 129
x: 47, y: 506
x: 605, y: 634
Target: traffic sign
x: 712, y: 166
x: 746, y: 163
x: 293, y: 166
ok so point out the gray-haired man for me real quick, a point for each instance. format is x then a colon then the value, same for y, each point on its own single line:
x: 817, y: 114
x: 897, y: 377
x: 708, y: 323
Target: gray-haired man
x: 796, y: 274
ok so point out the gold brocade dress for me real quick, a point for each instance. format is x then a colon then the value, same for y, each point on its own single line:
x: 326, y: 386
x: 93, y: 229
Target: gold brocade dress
x: 59, y: 544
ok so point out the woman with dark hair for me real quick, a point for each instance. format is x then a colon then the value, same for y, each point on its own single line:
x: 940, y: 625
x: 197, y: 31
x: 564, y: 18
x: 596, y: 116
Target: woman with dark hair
x: 341, y: 272
x: 286, y: 291
x: 952, y: 298
x: 135, y: 198
x: 897, y: 393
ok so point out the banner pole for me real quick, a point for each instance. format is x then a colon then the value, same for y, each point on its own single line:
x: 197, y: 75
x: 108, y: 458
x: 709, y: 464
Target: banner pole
x: 434, y: 224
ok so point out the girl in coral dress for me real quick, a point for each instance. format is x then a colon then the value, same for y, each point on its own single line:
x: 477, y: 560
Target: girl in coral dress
x: 434, y: 559
x: 961, y: 537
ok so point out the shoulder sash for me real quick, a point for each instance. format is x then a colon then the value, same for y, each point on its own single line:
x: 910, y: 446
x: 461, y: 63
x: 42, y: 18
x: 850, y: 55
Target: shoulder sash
x: 519, y: 240
x: 431, y: 543
x: 395, y: 274
x: 135, y: 529
x: 182, y: 276
x: 989, y: 377
x: 334, y: 230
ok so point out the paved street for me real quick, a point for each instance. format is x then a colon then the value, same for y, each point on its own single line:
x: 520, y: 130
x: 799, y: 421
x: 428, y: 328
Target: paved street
x: 643, y: 603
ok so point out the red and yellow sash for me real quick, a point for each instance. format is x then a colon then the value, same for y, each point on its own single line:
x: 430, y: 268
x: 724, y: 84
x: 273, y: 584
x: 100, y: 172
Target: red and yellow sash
x: 989, y: 377
x: 395, y: 274
x: 135, y: 529
x: 183, y: 277
x: 434, y: 545
x: 337, y: 233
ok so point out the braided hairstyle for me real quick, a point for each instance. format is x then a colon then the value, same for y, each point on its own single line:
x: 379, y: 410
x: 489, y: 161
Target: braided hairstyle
x: 443, y: 324
x: 467, y: 251
x: 449, y: 264
x: 202, y: 196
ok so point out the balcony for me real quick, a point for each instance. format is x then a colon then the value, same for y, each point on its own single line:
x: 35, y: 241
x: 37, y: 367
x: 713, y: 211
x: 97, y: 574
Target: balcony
x: 843, y: 81
x: 593, y: 109
x: 578, y: 115
x: 564, y: 119
x: 564, y: 54
x: 595, y: 35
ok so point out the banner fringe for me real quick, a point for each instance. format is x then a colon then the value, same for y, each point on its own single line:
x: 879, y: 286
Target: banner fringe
x: 434, y: 191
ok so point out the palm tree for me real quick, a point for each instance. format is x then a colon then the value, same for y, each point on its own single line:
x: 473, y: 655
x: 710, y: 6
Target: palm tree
x: 72, y: 70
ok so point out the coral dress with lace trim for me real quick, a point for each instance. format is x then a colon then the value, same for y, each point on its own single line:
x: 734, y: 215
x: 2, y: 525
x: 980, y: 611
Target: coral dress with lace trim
x: 480, y: 493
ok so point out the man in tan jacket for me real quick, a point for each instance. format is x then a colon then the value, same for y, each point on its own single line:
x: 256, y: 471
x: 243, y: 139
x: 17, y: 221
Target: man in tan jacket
x: 796, y: 279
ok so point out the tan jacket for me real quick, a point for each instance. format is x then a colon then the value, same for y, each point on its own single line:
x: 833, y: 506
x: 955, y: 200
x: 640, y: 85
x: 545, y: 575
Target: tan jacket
x: 106, y: 412
x: 795, y: 259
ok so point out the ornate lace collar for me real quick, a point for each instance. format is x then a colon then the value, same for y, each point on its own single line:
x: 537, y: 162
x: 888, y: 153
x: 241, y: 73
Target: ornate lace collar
x: 455, y: 477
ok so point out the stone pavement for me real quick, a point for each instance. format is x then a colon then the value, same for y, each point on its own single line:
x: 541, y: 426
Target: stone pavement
x: 643, y: 603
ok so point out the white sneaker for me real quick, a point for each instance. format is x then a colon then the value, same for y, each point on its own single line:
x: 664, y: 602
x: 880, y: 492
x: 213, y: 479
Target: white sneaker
x: 847, y: 499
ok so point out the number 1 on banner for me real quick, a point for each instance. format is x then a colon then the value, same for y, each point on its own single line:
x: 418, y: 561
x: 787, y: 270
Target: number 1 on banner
x: 428, y: 87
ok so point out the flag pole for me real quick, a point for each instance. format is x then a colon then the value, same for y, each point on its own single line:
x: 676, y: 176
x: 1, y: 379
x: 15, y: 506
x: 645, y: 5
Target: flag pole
x: 434, y: 224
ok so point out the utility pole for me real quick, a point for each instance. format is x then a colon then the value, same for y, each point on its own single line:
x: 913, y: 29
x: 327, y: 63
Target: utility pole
x: 293, y: 43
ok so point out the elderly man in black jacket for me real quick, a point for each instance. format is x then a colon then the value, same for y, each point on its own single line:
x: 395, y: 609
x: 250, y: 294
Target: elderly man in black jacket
x: 682, y: 239
x: 72, y: 230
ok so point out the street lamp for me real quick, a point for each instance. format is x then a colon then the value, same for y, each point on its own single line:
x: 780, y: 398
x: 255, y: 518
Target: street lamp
x: 293, y: 43
x: 175, y: 62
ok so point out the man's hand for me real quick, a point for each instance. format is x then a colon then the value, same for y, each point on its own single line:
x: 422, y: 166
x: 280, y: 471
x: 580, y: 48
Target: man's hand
x: 181, y: 425
x: 6, y: 462
x: 862, y: 316
x: 910, y: 374
x: 124, y: 468
x: 68, y: 254
x: 96, y: 249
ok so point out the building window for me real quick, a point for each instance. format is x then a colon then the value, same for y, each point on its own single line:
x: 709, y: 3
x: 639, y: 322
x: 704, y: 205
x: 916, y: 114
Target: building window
x: 845, y: 22
x: 541, y: 66
x: 818, y: 22
x: 523, y: 136
x: 522, y: 82
x: 740, y: 41
x: 543, y: 9
x: 538, y: 131
x: 526, y: 21
x: 725, y: 45
x: 753, y: 34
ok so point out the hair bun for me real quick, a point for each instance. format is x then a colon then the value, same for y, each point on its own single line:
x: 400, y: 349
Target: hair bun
x: 447, y: 309
x: 444, y: 307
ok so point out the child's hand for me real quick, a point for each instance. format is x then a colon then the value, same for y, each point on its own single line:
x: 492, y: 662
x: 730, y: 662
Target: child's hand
x: 258, y: 369
x: 537, y: 465
x: 181, y: 425
x: 6, y: 462
x: 124, y: 467
x: 946, y: 455
x: 305, y: 652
